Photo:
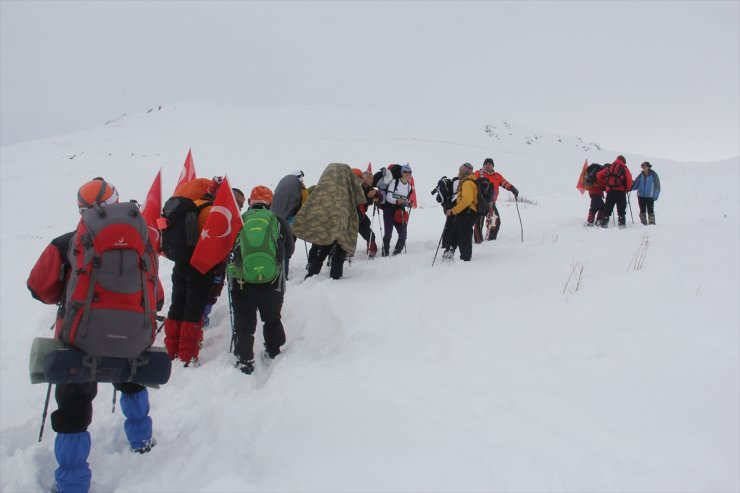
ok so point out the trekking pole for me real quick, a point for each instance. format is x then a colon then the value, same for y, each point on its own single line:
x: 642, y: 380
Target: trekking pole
x: 43, y: 415
x: 406, y: 227
x: 438, y: 245
x: 516, y: 201
x: 231, y: 317
x: 113, y: 410
x: 629, y: 203
x: 380, y: 222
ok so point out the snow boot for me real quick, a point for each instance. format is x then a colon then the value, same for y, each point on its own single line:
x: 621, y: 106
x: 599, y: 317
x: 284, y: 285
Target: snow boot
x: 651, y: 219
x: 621, y: 222
x: 138, y: 424
x: 643, y: 219
x: 399, y: 247
x: 73, y: 474
x: 386, y: 247
x: 590, y: 219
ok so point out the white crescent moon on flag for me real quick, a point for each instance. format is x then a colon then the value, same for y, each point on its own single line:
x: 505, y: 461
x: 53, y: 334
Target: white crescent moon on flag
x: 227, y: 214
x: 156, y: 232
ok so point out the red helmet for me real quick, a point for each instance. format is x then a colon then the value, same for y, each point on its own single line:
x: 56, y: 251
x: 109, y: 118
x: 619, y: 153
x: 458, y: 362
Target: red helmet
x: 260, y: 194
x: 94, y: 192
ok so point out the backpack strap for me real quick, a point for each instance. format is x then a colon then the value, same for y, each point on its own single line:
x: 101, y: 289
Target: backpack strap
x: 85, y: 322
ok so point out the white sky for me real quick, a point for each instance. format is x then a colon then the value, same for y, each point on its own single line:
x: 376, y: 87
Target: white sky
x: 660, y: 78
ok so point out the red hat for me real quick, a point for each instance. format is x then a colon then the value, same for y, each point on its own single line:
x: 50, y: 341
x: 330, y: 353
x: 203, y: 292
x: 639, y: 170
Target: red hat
x: 94, y: 192
x: 357, y: 171
x: 261, y: 195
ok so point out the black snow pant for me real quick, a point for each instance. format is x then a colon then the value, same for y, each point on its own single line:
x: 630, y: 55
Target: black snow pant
x: 318, y: 254
x: 74, y: 404
x: 464, y: 233
x: 366, y: 230
x: 247, y: 300
x: 597, y: 203
x: 449, y: 240
x: 191, y: 291
x: 646, y: 205
x: 618, y: 198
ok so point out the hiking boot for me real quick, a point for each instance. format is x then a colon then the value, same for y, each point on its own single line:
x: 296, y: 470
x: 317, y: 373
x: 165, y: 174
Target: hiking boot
x: 651, y: 219
x: 193, y: 363
x: 621, y: 222
x: 246, y: 367
x: 147, y: 447
x: 399, y: 247
x: 604, y: 222
x: 643, y: 219
x: 448, y: 255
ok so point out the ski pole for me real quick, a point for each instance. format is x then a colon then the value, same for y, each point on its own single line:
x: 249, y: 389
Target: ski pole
x: 516, y: 201
x: 43, y: 415
x: 629, y: 202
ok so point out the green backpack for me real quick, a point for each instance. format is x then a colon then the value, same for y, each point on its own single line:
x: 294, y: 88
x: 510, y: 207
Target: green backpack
x: 257, y: 242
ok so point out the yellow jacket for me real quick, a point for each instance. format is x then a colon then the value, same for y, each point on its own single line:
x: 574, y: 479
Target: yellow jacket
x: 467, y: 195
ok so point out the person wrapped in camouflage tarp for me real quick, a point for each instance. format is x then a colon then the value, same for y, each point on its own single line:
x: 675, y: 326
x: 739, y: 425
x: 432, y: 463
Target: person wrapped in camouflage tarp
x: 328, y: 220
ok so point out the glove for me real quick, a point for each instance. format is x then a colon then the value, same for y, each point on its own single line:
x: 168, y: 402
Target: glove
x: 514, y: 191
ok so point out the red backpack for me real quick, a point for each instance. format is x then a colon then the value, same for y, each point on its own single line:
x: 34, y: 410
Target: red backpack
x: 111, y: 294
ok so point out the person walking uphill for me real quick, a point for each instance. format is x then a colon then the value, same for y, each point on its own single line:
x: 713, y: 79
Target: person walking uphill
x: 290, y: 195
x: 53, y: 280
x: 329, y: 219
x: 397, y: 198
x: 186, y: 213
x: 618, y: 180
x: 647, y: 185
x: 497, y: 180
x: 465, y: 211
x: 257, y: 278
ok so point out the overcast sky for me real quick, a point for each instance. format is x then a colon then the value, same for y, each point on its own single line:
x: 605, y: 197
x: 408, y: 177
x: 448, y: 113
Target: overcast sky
x: 654, y: 77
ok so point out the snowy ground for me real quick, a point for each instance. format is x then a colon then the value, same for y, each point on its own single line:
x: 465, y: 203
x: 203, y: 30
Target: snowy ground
x: 496, y: 375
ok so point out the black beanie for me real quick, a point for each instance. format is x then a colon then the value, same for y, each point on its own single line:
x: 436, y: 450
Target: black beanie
x: 487, y: 160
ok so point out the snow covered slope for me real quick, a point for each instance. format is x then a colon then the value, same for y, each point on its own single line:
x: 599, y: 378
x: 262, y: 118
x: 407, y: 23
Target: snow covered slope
x: 508, y: 373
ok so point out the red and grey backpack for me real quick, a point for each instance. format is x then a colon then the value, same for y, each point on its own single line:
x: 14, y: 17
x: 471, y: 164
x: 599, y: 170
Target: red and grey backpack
x: 111, y: 295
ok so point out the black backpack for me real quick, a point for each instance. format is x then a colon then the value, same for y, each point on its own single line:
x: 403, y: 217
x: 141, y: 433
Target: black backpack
x: 485, y: 195
x: 591, y: 171
x: 181, y: 234
x: 384, y: 176
x: 445, y: 190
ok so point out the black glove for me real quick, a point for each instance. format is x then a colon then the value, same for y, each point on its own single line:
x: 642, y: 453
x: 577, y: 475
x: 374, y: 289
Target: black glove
x: 514, y: 191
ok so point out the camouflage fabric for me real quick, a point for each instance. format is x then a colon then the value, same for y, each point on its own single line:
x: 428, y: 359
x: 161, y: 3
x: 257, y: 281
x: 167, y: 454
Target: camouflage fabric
x: 330, y: 213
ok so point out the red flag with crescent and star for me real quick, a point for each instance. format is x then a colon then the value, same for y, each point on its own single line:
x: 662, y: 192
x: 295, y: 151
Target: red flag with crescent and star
x: 188, y: 170
x: 220, y: 230
x: 152, y: 209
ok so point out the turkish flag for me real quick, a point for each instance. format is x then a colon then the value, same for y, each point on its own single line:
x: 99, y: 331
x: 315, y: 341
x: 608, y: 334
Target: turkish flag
x: 219, y: 232
x: 152, y: 209
x: 580, y: 184
x: 369, y: 167
x: 188, y: 170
